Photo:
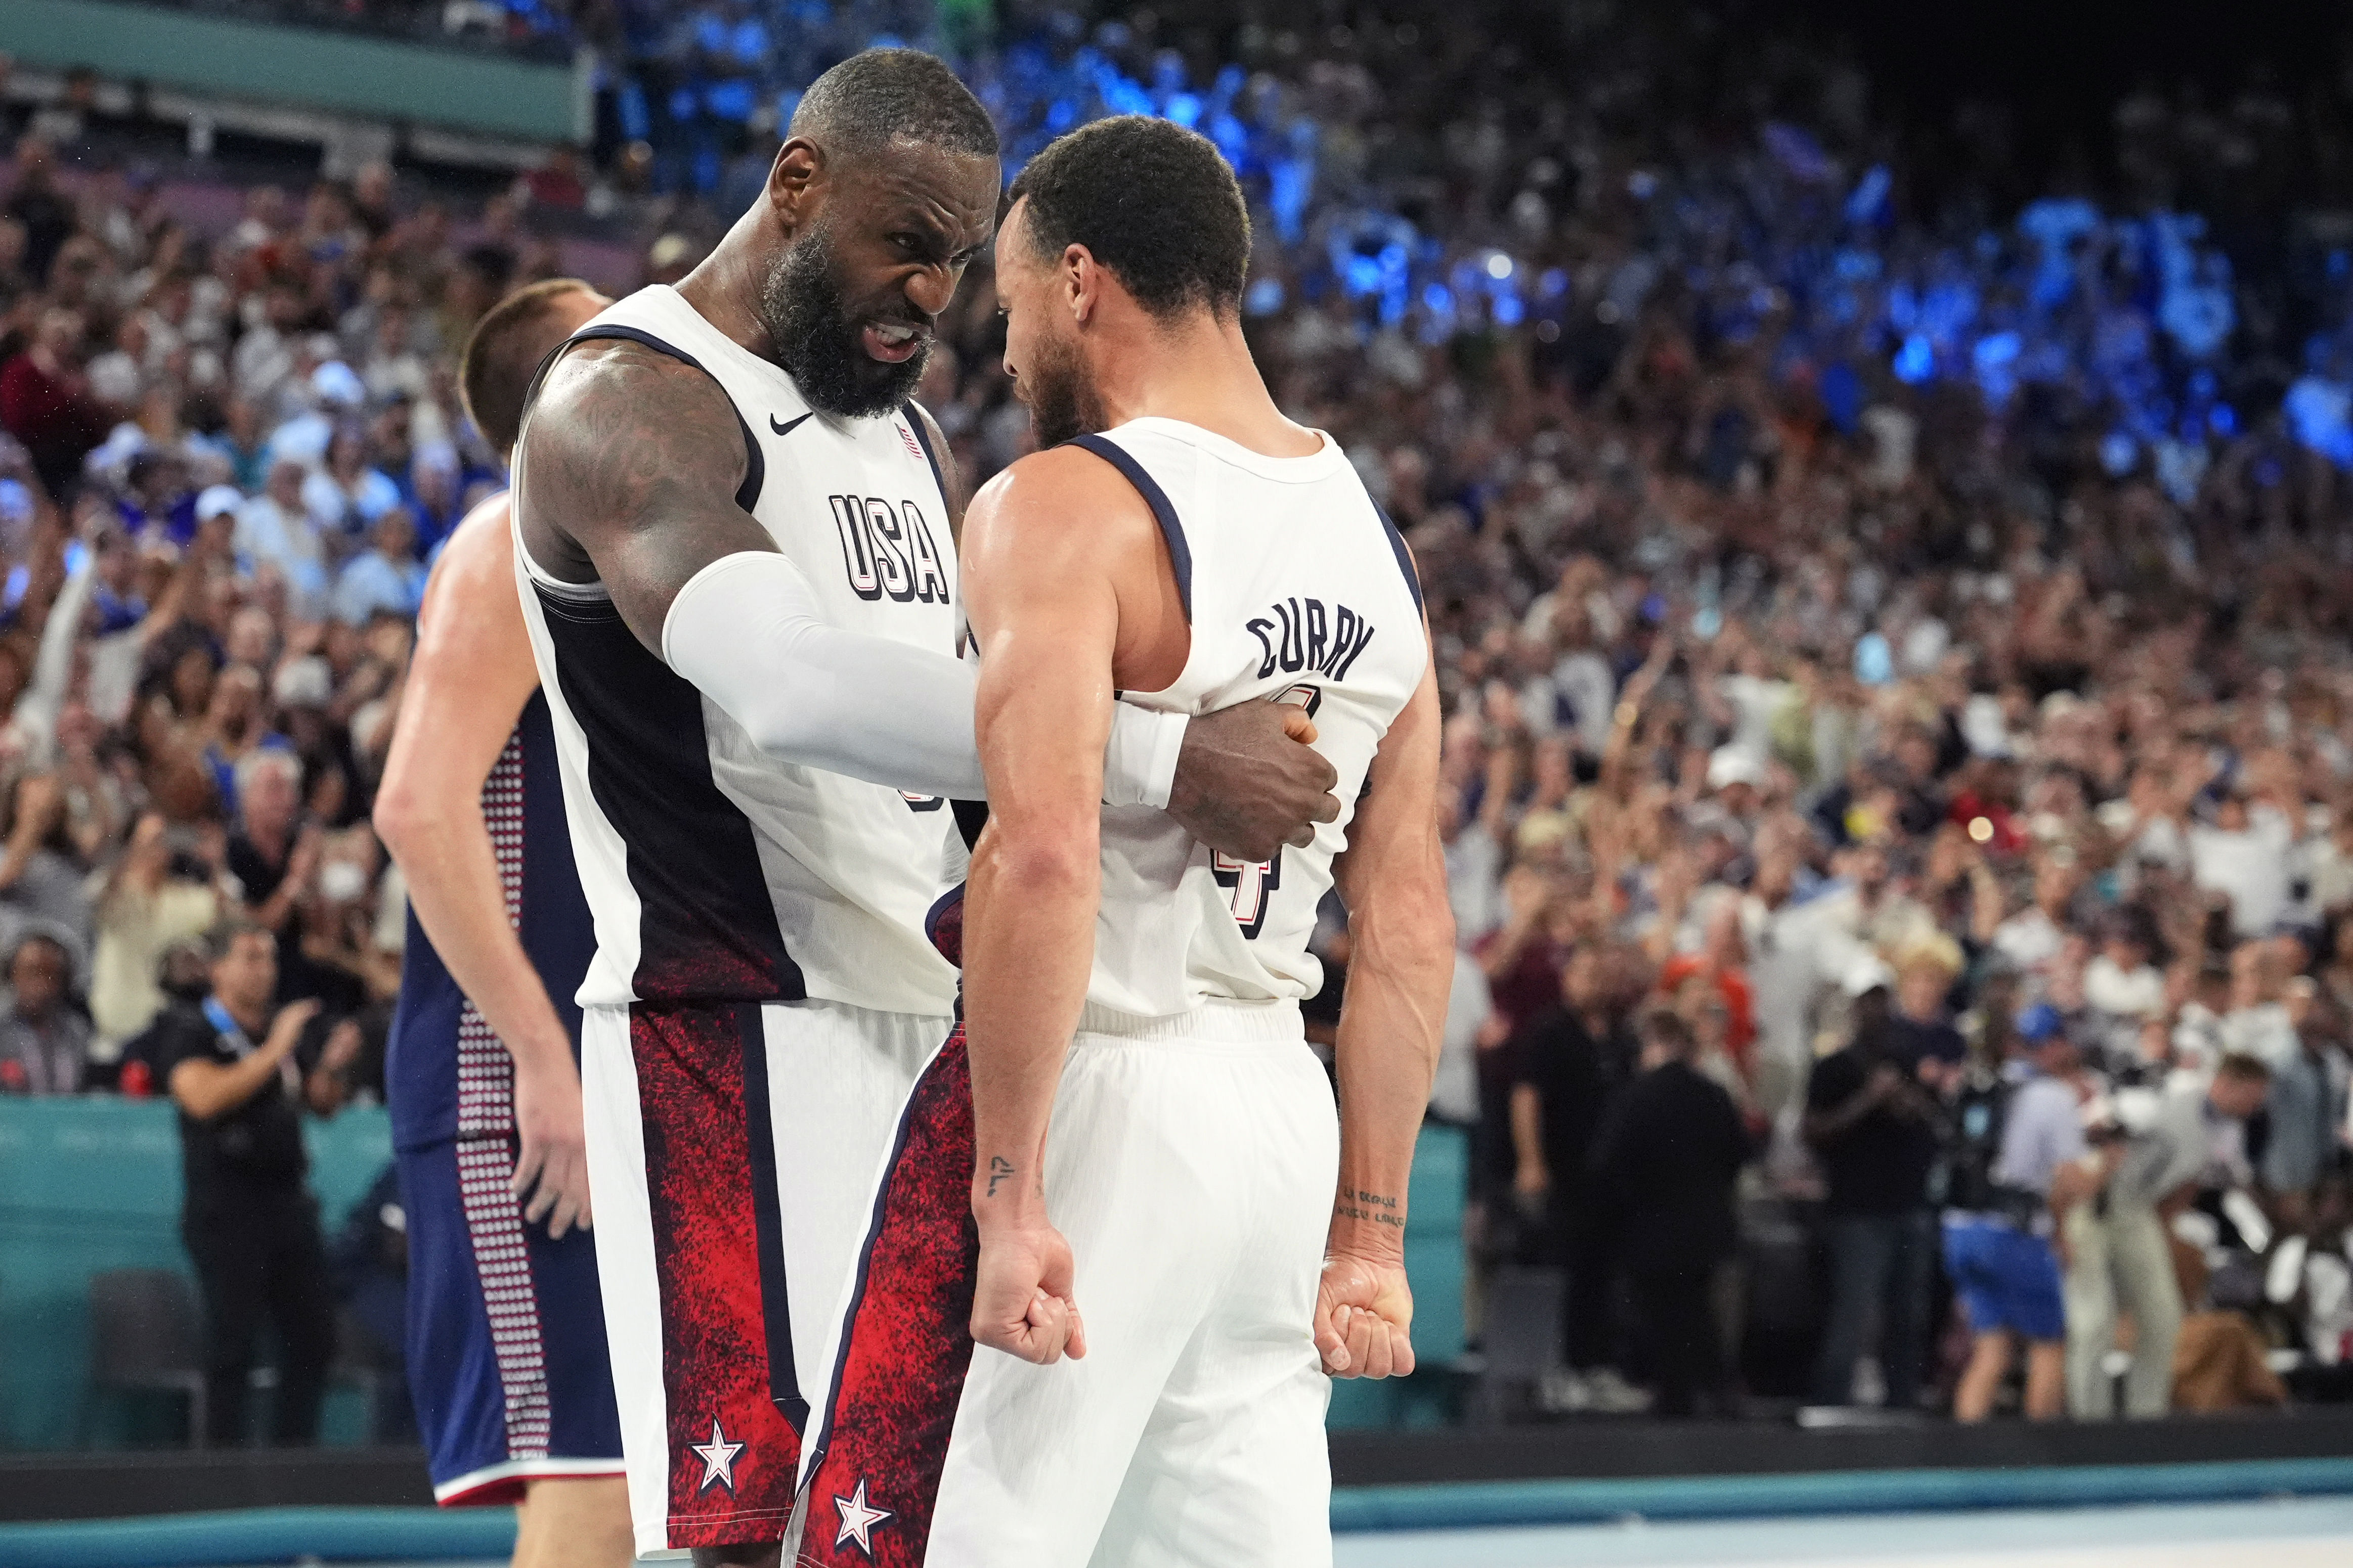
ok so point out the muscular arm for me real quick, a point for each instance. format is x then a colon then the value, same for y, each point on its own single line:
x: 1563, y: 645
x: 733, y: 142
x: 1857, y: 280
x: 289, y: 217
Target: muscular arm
x: 1047, y: 548
x: 205, y: 1089
x: 628, y: 473
x: 1392, y: 1022
x: 468, y: 683
x: 629, y: 469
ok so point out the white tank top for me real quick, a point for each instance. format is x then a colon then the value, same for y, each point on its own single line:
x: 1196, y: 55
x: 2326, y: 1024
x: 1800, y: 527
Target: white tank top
x: 715, y: 873
x: 1298, y: 589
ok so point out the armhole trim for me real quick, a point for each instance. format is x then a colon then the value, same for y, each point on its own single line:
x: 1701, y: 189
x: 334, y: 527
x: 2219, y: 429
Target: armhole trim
x: 917, y: 423
x: 1180, y: 554
x: 1404, y: 556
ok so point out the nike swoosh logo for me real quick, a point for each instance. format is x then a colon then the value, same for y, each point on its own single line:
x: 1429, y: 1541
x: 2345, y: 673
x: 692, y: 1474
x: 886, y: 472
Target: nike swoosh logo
x: 786, y: 428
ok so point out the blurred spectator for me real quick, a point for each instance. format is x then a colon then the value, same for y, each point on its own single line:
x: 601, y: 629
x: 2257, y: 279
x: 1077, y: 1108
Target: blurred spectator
x: 1874, y: 1127
x: 387, y: 579
x: 1567, y: 1066
x: 41, y: 874
x: 2000, y: 1226
x: 2243, y: 856
x: 2113, y: 1235
x: 46, y: 401
x: 47, y: 214
x: 155, y: 897
x: 44, y: 1042
x: 275, y: 528
x: 1664, y: 1164
x: 273, y: 853
x: 1923, y: 1040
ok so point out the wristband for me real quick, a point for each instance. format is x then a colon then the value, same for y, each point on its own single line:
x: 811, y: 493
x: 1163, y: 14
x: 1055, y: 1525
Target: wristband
x: 1140, y: 763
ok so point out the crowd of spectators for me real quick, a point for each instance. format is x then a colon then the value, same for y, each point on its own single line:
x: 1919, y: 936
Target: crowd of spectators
x: 1899, y: 754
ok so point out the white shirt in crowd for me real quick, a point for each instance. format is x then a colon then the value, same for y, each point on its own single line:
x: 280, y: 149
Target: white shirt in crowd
x: 1583, y: 679
x: 2029, y: 939
x: 2250, y: 866
x: 1474, y: 883
x: 1454, y: 1091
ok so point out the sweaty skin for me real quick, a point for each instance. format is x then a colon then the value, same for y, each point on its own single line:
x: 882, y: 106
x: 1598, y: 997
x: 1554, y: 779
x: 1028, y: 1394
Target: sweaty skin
x: 1072, y: 599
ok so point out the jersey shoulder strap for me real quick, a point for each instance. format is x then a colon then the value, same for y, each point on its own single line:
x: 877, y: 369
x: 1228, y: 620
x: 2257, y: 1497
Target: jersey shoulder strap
x: 1164, y: 511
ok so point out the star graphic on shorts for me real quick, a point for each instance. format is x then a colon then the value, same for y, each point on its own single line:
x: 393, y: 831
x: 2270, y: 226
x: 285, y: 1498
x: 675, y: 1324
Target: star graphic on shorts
x: 718, y: 1458
x: 858, y: 1520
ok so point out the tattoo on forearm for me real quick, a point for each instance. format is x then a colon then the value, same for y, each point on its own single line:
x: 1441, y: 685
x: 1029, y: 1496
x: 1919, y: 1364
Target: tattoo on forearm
x: 999, y: 1167
x: 1375, y: 1208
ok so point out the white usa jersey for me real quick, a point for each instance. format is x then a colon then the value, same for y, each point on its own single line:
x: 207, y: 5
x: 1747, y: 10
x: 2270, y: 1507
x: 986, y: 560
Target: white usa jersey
x: 716, y: 873
x: 1298, y: 589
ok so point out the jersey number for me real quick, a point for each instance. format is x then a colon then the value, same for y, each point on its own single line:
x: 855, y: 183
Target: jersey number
x: 1248, y: 883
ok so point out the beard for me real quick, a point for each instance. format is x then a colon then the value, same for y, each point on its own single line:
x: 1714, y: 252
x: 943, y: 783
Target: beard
x: 822, y: 346
x: 1063, y: 400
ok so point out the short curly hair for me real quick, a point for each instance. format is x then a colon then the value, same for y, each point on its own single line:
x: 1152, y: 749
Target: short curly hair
x: 877, y: 97
x: 1150, y: 200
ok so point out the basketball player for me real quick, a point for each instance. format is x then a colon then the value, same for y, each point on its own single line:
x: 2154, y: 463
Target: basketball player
x: 738, y: 565
x: 506, y: 1335
x: 1157, y: 1196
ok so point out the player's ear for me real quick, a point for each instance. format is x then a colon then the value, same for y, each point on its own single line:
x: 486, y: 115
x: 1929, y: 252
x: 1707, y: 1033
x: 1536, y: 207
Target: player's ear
x: 1081, y: 279
x: 799, y: 165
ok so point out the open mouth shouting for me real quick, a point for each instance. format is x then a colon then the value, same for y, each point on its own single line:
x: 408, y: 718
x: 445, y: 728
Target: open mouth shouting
x: 892, y: 342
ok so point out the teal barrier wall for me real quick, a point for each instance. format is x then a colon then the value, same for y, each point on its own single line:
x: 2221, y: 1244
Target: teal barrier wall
x: 476, y: 88
x: 91, y: 1185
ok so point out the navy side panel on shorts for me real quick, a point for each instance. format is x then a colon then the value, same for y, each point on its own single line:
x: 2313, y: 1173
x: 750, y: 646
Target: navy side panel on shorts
x: 507, y: 1360
x: 506, y: 1351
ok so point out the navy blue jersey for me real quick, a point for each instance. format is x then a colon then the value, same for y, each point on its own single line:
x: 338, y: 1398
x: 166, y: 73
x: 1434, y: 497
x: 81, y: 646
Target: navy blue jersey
x: 445, y: 1074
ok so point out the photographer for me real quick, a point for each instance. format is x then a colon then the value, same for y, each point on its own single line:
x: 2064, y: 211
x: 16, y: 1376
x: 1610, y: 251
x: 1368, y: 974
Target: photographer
x: 250, y: 1222
x: 2116, y: 1206
x: 1998, y: 1230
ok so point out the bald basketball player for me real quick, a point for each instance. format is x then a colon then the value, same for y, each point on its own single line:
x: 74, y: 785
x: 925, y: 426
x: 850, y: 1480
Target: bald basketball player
x: 507, y: 1360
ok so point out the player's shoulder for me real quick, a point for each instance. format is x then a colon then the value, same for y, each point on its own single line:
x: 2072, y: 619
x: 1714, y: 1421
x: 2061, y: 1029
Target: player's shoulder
x: 1061, y: 509
x: 599, y: 387
x: 476, y: 563
x: 483, y: 539
x: 1046, y: 485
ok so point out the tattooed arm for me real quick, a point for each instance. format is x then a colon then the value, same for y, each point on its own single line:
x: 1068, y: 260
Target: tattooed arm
x: 1401, y: 964
x: 626, y: 474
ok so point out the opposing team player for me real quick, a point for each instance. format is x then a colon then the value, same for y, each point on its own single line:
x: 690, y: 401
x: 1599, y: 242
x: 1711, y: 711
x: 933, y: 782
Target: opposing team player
x: 738, y: 565
x: 506, y: 1334
x: 1157, y: 1196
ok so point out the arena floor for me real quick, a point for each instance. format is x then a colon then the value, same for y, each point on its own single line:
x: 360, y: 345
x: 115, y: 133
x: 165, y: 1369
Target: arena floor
x: 2300, y: 1534
x: 2289, y: 1533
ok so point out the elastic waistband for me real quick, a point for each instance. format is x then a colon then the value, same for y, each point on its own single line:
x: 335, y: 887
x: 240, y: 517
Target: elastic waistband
x: 1224, y: 1021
